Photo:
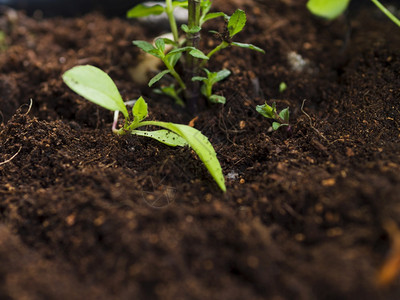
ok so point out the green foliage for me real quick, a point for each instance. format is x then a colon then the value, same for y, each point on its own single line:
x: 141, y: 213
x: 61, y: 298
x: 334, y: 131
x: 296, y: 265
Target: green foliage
x: 270, y: 112
x: 282, y: 87
x: 97, y: 87
x: 331, y: 9
x: 208, y: 82
x: 234, y: 23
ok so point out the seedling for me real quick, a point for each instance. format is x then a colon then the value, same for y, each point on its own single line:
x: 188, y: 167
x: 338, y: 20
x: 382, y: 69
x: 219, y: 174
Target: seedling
x: 270, y: 112
x: 208, y: 82
x: 331, y: 9
x: 194, y: 60
x: 97, y: 87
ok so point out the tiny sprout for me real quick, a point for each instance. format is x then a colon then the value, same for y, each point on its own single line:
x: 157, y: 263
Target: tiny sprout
x: 208, y: 82
x: 270, y: 112
x: 97, y: 87
x: 282, y: 87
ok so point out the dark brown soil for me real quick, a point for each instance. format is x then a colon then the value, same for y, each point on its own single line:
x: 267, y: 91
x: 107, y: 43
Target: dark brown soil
x: 309, y: 214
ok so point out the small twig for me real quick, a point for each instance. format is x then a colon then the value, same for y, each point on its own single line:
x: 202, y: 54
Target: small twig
x: 311, y: 124
x: 11, y: 158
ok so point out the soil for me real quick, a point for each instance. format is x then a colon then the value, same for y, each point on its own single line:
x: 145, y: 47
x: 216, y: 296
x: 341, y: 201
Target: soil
x: 308, y: 214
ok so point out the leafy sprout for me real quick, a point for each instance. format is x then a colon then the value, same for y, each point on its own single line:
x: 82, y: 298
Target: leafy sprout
x: 270, y: 112
x: 97, y: 87
x: 194, y: 59
x: 208, y: 82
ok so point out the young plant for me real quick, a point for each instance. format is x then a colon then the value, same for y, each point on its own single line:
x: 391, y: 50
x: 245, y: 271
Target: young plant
x: 270, y: 112
x: 208, y: 82
x: 97, y: 87
x: 198, y: 14
x: 331, y: 9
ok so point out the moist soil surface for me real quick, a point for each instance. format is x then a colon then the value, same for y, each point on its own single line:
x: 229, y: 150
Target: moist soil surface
x: 309, y: 213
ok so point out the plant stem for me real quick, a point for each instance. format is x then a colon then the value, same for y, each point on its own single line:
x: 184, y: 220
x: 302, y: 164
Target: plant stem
x: 171, y: 18
x: 174, y: 73
x: 221, y: 46
x: 386, y: 12
x: 192, y: 94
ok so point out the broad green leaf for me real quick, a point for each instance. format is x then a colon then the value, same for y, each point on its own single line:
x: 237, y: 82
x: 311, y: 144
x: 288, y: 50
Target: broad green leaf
x: 284, y: 114
x: 201, y: 145
x: 139, y: 110
x: 217, y: 99
x: 141, y: 10
x: 160, y: 45
x: 221, y: 75
x: 145, y: 46
x: 157, y: 77
x: 164, y: 136
x: 211, y: 16
x: 276, y: 125
x: 236, y: 22
x: 329, y: 9
x: 198, y: 54
x: 248, y: 46
x: 96, y: 86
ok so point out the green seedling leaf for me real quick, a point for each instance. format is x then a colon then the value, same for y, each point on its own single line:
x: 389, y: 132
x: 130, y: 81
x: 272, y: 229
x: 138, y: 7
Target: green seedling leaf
x: 211, y: 16
x: 198, y: 78
x: 174, y: 58
x: 139, y: 110
x: 266, y: 110
x: 145, y: 46
x: 248, y: 46
x: 284, y: 114
x: 198, y: 54
x: 201, y: 145
x: 328, y: 9
x: 160, y: 45
x: 164, y: 136
x: 221, y: 75
x: 158, y: 77
x: 217, y: 99
x: 141, y: 10
x: 276, y: 125
x: 96, y: 86
x: 282, y: 87
x: 236, y: 22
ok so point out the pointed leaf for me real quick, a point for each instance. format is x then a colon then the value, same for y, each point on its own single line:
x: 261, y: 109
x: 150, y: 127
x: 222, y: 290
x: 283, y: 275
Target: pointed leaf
x: 96, y: 86
x: 198, y: 54
x: 157, y: 77
x: 174, y: 58
x: 183, y: 4
x: 266, y: 110
x: 160, y: 45
x: 164, y: 136
x: 248, y: 46
x: 198, y: 78
x: 211, y: 16
x: 201, y: 145
x: 139, y: 110
x: 141, y: 10
x: 284, y: 114
x: 236, y: 22
x: 221, y: 75
x: 145, y: 46
x: 217, y: 99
